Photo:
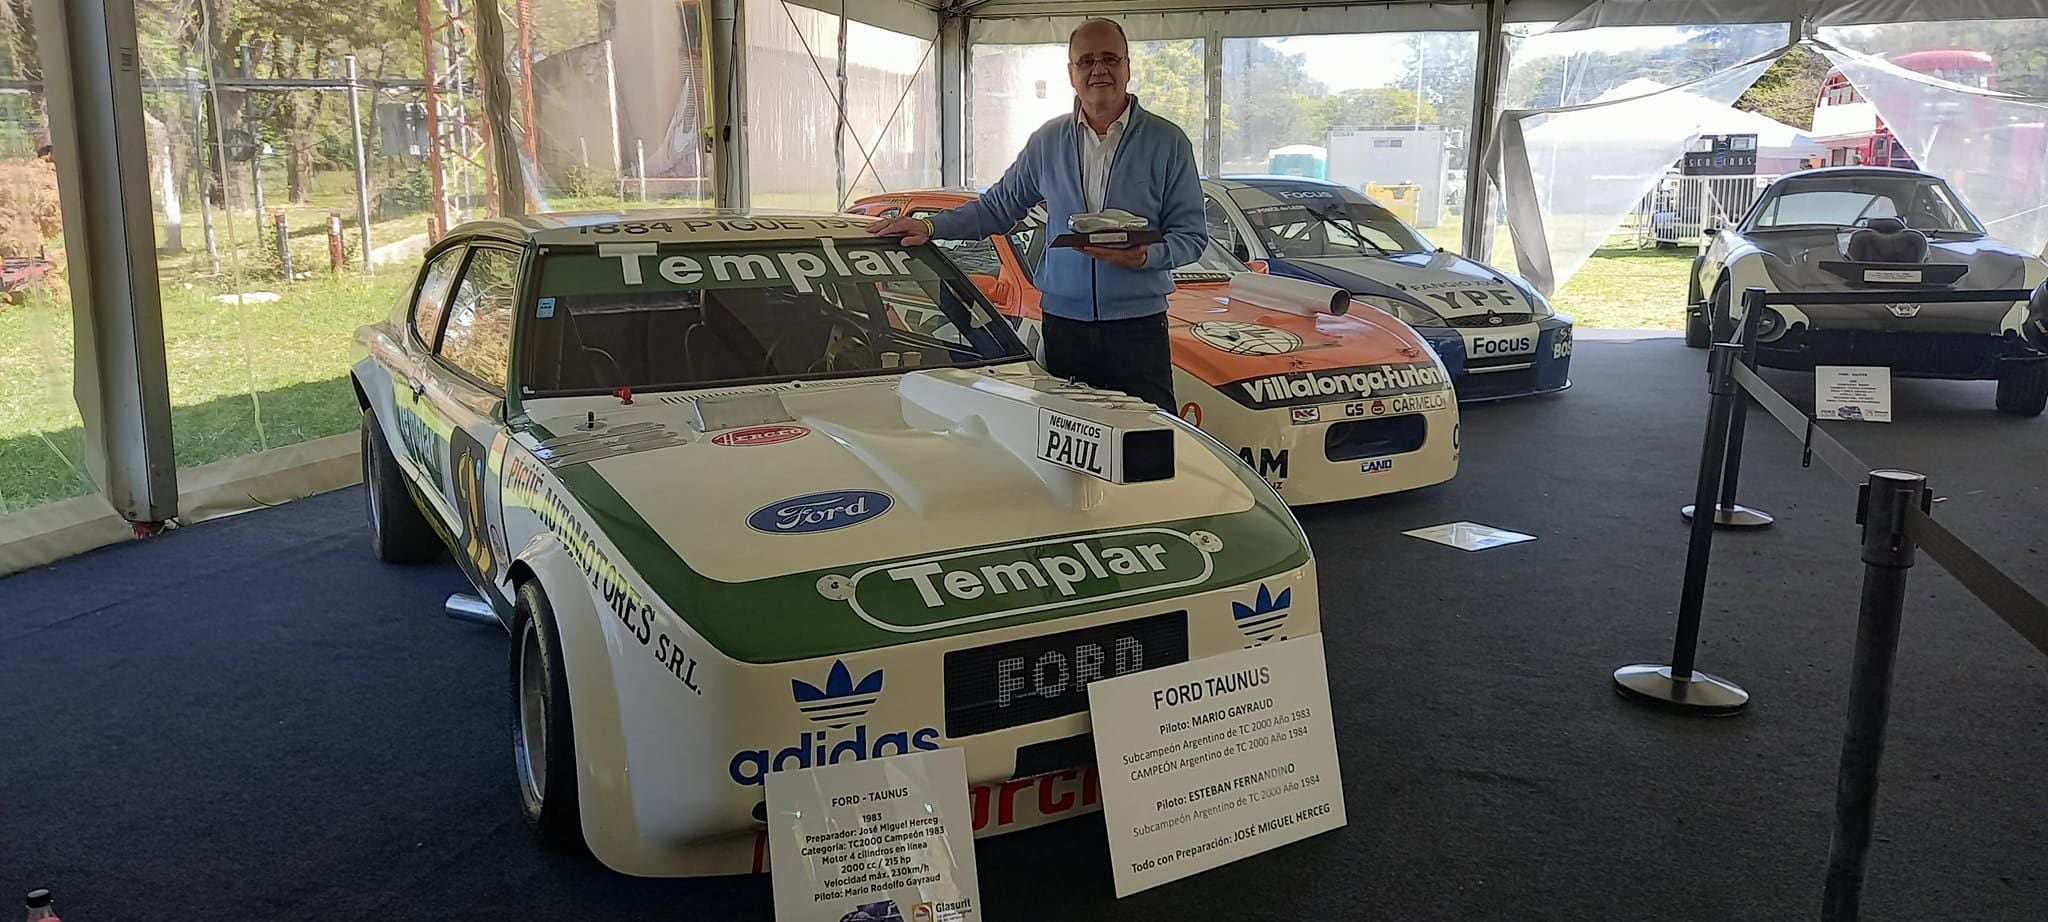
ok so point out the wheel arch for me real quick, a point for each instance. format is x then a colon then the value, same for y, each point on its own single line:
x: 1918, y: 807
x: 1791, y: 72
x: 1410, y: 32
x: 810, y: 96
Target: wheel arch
x: 604, y: 798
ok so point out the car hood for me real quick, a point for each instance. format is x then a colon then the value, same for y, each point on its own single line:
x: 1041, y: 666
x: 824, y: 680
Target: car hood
x: 932, y: 464
x: 1221, y: 340
x: 1444, y: 282
x: 1793, y: 258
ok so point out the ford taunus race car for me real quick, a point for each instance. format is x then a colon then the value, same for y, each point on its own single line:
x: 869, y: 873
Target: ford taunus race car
x: 1498, y: 337
x: 1886, y: 230
x: 755, y: 494
x: 1325, y: 406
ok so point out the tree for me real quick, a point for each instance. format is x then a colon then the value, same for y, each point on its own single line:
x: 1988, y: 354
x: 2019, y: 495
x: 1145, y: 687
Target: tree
x: 1269, y: 101
x: 1442, y: 67
x: 1168, y: 79
x: 1787, y: 92
x: 1374, y: 106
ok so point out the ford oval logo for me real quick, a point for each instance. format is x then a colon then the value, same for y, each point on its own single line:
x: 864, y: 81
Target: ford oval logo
x: 819, y: 511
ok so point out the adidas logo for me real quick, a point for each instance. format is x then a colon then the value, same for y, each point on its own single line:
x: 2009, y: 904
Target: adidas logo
x: 1266, y: 617
x: 841, y: 702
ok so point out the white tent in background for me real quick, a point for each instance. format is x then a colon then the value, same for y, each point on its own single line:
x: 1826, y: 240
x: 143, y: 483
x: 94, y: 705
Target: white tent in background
x: 1780, y: 148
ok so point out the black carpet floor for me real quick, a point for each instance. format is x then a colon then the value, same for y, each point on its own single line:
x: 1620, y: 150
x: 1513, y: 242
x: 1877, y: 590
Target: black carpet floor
x: 251, y: 718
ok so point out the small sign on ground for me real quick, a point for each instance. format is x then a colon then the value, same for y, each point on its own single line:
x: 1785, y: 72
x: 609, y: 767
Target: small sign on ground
x: 1469, y: 536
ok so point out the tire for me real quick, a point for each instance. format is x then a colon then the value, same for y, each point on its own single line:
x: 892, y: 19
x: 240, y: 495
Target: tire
x: 543, y: 730
x: 1698, y: 332
x: 2023, y: 387
x: 399, y: 532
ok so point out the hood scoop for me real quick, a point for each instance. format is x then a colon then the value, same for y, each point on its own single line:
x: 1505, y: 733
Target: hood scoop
x: 1049, y: 423
x: 731, y: 411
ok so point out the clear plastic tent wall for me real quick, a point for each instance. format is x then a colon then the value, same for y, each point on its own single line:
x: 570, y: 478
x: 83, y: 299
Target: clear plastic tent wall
x: 1978, y: 119
x: 1593, y: 120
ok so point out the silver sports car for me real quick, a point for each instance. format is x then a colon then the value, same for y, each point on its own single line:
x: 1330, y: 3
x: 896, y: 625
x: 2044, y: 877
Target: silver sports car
x: 1889, y: 231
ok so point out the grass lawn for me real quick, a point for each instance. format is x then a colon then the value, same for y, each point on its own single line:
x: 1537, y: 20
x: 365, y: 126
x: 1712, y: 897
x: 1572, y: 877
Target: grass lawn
x: 242, y: 378
x: 1620, y: 287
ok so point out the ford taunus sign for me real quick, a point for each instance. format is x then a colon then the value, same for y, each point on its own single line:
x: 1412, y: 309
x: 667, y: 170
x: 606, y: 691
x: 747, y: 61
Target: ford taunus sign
x: 819, y: 511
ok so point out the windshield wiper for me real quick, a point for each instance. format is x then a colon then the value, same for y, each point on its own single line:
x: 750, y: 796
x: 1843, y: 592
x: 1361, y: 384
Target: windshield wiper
x: 1351, y: 227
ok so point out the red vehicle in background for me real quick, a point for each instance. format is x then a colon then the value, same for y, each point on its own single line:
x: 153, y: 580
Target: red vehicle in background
x: 1849, y: 125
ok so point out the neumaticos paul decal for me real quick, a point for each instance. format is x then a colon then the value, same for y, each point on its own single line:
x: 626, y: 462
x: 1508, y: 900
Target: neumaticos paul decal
x: 1309, y: 387
x: 947, y: 590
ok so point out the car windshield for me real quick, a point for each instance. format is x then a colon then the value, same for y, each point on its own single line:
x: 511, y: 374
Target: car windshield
x: 1213, y: 265
x: 688, y: 316
x: 1924, y: 203
x: 1332, y: 227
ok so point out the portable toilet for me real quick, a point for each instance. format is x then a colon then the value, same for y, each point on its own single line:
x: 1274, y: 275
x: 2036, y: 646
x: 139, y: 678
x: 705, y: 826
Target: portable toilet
x: 1404, y: 199
x: 1298, y: 160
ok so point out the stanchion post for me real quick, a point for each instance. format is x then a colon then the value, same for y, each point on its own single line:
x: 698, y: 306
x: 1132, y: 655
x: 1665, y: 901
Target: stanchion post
x: 1727, y: 512
x: 1887, y: 555
x: 1679, y: 684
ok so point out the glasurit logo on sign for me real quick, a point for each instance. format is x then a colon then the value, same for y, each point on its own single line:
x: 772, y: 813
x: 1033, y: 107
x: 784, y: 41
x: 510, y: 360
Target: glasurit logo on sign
x: 1306, y: 387
x: 928, y: 593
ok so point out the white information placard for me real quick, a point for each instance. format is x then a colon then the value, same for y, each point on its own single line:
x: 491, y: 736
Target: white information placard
x: 1207, y: 762
x: 881, y: 840
x: 1859, y: 392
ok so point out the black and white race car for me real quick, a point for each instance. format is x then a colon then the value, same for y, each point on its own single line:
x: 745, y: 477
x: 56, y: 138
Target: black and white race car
x: 1887, y: 231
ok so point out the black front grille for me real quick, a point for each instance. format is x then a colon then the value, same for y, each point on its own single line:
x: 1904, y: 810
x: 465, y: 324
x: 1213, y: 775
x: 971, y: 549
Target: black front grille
x: 1488, y: 320
x: 1039, y: 678
x: 1929, y: 355
x: 1497, y: 383
x: 1375, y: 438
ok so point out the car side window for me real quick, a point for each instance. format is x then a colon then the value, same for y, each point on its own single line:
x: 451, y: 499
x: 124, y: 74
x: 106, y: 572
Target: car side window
x: 432, y: 301
x: 974, y: 257
x: 1026, y: 241
x: 478, y: 338
x: 1218, y: 219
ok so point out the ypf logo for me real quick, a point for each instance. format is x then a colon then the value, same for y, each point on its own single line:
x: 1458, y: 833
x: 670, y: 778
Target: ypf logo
x: 1266, y: 617
x: 840, y: 702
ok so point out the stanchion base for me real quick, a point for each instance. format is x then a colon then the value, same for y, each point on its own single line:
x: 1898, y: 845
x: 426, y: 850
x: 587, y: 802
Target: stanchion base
x: 1737, y: 516
x: 1704, y: 695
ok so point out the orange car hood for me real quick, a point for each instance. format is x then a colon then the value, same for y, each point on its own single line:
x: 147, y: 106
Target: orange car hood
x: 1214, y: 338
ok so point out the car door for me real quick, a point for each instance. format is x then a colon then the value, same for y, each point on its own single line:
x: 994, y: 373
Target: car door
x: 419, y: 431
x: 474, y: 361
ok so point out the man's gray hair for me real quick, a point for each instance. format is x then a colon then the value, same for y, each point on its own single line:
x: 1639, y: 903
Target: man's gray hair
x: 1108, y: 22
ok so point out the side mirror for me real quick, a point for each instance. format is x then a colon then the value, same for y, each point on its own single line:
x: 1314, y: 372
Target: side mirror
x: 1258, y: 266
x: 1710, y: 231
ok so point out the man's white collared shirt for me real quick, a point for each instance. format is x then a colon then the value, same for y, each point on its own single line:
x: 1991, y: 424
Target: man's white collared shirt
x: 1097, y: 152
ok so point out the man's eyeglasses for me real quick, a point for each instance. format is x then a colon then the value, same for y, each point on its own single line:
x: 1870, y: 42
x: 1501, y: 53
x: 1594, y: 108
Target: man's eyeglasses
x: 1111, y: 61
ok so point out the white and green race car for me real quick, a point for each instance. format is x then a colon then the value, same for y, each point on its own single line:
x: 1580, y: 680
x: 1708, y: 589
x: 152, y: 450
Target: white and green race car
x: 758, y: 493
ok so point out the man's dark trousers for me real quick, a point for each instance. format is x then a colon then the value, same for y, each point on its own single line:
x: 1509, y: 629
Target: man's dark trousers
x: 1120, y: 355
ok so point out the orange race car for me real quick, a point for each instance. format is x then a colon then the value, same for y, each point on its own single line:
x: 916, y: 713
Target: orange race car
x: 1326, y: 398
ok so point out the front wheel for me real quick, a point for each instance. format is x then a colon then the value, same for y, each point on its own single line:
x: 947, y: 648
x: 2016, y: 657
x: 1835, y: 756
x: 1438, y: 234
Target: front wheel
x: 543, y: 730
x: 2023, y: 386
x: 399, y: 532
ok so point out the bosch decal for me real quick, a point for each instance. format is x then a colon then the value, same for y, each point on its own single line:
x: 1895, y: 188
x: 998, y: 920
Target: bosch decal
x: 760, y: 435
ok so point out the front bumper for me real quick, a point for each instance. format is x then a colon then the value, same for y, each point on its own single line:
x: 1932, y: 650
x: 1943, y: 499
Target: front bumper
x: 1483, y: 371
x: 691, y: 786
x: 1909, y: 354
x: 1348, y: 450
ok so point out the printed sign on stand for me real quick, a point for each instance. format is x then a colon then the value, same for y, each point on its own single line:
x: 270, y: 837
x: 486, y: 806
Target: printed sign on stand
x: 1210, y: 761
x: 881, y: 840
x: 1858, y: 392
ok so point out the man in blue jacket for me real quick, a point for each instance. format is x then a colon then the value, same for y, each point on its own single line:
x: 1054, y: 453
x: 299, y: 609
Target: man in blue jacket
x: 1105, y: 307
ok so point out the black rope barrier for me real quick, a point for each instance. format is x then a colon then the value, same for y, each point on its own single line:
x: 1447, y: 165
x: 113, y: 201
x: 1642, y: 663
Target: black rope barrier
x: 1894, y: 508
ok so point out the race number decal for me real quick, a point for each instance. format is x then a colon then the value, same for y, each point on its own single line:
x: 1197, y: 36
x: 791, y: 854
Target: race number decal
x: 472, y: 472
